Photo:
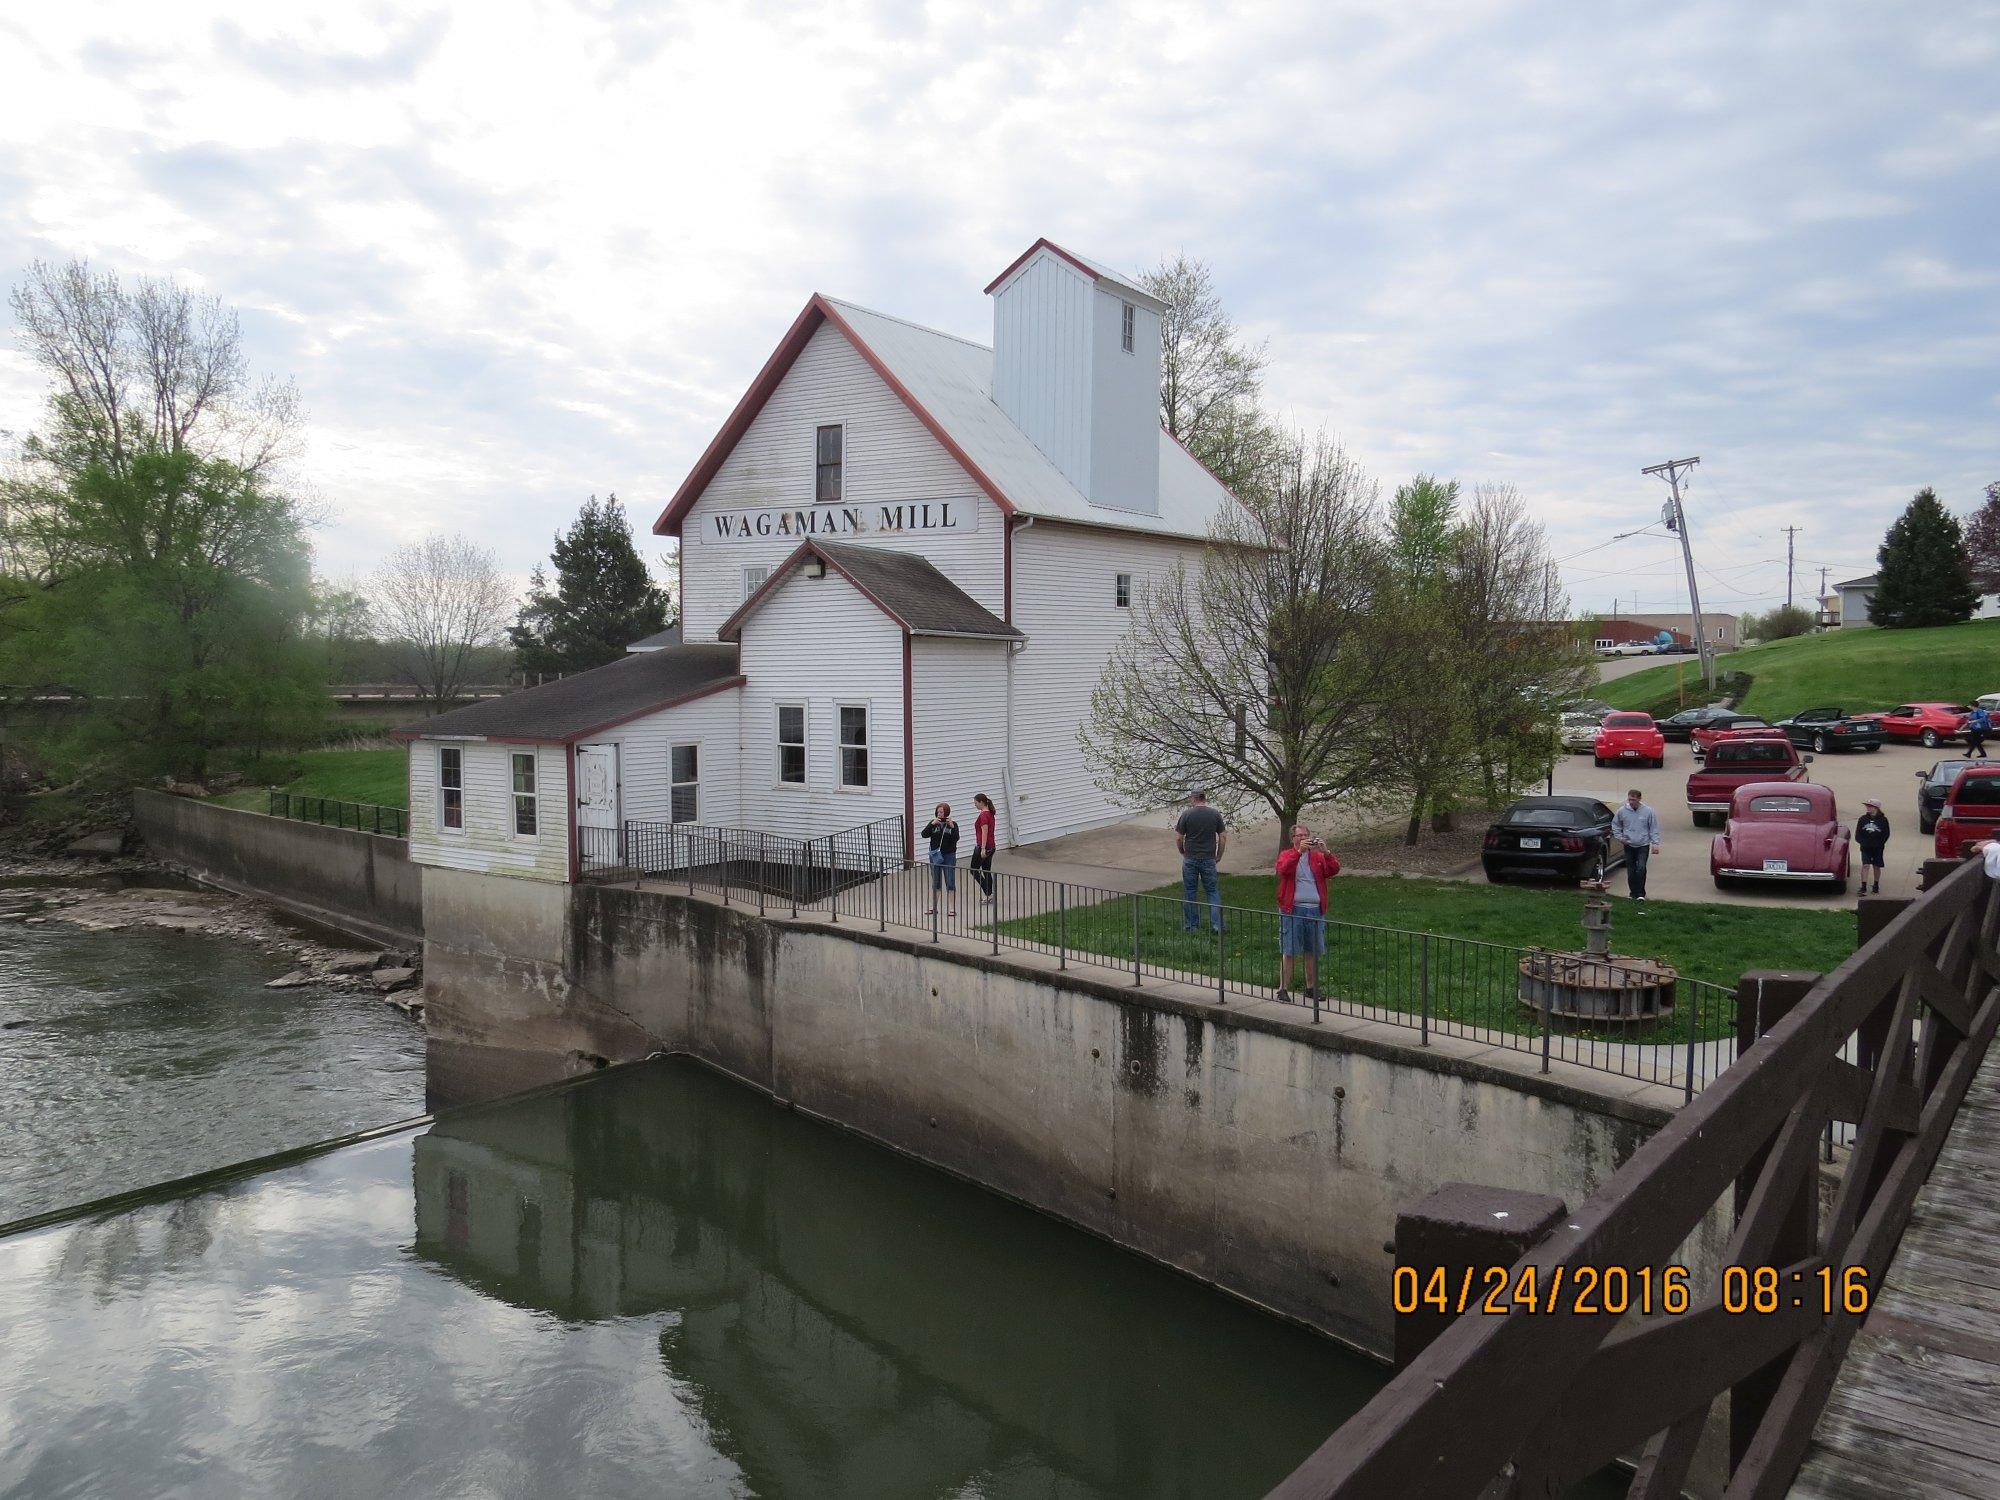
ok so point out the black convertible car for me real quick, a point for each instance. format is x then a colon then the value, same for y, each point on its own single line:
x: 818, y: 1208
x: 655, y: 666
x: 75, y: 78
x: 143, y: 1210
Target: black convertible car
x: 1688, y: 720
x: 1825, y: 729
x: 1560, y: 836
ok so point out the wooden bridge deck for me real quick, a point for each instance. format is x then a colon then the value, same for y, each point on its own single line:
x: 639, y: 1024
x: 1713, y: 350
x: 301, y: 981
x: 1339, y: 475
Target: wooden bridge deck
x: 1916, y: 1410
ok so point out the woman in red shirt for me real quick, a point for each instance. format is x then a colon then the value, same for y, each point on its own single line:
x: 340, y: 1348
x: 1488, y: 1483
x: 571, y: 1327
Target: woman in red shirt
x: 983, y: 841
x: 1303, y: 872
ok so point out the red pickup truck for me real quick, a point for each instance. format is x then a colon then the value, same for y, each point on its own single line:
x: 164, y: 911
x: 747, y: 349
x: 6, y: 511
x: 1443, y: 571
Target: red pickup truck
x: 1737, y: 762
x: 1971, y: 812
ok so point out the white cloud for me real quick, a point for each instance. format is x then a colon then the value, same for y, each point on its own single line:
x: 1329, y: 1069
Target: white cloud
x: 525, y: 252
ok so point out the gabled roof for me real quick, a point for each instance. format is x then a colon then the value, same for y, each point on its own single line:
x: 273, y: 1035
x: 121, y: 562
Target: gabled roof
x: 590, y: 702
x: 671, y: 636
x: 904, y: 586
x: 1090, y: 268
x: 947, y: 383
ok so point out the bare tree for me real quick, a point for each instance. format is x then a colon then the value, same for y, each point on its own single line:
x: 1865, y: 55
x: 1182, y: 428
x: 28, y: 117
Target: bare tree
x: 1255, y: 675
x: 152, y: 369
x: 437, y: 602
x: 1210, y: 379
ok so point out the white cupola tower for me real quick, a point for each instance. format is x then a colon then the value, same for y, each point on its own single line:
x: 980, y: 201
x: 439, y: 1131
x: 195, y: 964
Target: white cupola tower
x: 1076, y: 366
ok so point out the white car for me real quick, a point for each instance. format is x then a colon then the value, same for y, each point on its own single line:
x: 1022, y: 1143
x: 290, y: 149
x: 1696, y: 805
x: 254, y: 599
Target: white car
x: 1988, y: 701
x: 1631, y: 648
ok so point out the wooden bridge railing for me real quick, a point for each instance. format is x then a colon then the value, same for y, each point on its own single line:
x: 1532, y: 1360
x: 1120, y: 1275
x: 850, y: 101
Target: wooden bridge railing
x: 1525, y: 1403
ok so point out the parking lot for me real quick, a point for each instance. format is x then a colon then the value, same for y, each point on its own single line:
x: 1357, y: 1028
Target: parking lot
x: 1679, y: 872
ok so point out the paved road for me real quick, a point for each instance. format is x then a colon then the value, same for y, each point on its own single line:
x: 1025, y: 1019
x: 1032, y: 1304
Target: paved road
x: 1679, y: 871
x: 1611, y: 668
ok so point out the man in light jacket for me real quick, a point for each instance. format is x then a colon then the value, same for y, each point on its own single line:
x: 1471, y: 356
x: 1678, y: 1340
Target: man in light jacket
x: 1637, y: 827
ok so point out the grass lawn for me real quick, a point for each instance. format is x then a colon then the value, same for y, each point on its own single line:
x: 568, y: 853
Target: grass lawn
x: 372, y: 775
x: 1857, y: 668
x: 1473, y: 977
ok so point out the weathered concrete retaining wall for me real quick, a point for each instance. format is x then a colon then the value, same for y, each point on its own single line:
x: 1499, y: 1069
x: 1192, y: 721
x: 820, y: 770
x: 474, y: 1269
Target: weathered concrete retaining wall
x: 1263, y: 1154
x: 361, y: 883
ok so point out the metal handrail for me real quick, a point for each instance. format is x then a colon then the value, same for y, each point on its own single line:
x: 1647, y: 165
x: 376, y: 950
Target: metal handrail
x: 363, y: 817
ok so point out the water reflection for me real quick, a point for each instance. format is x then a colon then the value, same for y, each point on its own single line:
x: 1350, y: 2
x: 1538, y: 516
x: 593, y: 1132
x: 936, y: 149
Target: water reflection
x: 652, y: 1283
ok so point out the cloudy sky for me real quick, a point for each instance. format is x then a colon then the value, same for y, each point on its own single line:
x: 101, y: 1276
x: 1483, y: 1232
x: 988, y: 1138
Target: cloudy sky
x: 517, y: 253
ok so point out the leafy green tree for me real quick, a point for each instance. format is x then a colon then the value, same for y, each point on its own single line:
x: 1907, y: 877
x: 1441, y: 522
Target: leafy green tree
x: 1211, y: 380
x: 1924, y: 576
x: 604, y: 598
x: 158, y: 566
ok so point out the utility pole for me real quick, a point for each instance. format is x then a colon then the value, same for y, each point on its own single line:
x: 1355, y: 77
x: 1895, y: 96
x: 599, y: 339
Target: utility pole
x: 1790, y: 533
x: 1821, y: 611
x: 1676, y: 521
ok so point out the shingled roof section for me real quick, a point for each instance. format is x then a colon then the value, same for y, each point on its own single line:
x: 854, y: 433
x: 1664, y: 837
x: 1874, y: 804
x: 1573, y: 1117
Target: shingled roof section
x: 903, y: 585
x: 590, y: 702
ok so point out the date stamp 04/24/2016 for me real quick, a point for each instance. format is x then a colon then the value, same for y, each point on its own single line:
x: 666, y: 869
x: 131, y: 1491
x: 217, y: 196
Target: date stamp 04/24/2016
x: 1614, y: 1291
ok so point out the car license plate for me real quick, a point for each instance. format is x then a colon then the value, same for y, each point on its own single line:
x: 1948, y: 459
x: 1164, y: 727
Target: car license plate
x: 1777, y: 866
x: 1531, y: 843
x: 1629, y: 754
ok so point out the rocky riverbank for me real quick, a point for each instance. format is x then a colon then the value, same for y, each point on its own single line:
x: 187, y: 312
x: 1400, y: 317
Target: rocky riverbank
x: 133, y: 894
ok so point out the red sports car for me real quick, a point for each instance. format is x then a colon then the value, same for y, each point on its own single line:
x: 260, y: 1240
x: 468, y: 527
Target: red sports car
x: 1629, y: 739
x: 1781, y: 830
x: 1928, y: 724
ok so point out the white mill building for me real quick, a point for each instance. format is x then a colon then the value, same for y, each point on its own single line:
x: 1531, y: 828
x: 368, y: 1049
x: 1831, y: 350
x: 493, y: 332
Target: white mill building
x: 904, y: 560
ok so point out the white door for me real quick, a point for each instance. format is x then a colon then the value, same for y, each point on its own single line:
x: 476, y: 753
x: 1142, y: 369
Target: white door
x: 597, y: 803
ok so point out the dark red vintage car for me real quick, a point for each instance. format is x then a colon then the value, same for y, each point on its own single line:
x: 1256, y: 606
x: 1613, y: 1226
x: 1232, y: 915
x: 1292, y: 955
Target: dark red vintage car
x: 1735, y: 763
x: 1784, y: 831
x: 1926, y: 724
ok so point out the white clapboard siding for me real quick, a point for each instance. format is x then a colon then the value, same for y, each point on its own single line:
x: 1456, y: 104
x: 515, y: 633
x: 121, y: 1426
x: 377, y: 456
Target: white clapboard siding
x: 959, y: 701
x: 819, y: 642
x: 890, y: 458
x: 1065, y: 602
x: 488, y: 843
x: 644, y: 764
x: 1042, y: 360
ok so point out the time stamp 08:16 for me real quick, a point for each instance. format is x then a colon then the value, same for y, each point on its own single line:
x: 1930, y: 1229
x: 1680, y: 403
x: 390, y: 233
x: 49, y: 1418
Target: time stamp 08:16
x: 1617, y: 1290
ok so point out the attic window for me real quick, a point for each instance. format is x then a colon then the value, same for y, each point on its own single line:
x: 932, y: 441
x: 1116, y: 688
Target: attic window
x: 1125, y: 329
x: 826, y: 468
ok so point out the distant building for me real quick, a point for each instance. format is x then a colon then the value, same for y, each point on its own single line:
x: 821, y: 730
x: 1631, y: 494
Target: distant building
x: 1853, y: 597
x: 1623, y: 631
x: 1722, y: 630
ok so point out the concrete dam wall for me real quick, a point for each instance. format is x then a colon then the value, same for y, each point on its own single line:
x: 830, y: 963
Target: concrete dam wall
x: 361, y: 883
x: 1263, y: 1154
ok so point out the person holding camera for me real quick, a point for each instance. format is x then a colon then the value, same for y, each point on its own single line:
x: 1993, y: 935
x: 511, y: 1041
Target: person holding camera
x: 1303, y: 872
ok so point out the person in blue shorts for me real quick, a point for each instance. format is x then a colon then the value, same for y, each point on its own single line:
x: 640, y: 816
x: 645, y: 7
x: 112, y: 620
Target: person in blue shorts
x: 1304, y: 871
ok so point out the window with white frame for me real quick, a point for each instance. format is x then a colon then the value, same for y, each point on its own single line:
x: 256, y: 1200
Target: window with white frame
x: 523, y: 765
x: 1121, y: 591
x: 684, y: 783
x: 1125, y: 328
x: 451, y: 787
x: 791, y: 744
x: 827, y: 457
x: 854, y: 744
x: 753, y: 580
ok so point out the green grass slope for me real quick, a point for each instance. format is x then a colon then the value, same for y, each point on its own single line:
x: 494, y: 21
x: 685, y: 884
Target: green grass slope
x: 1858, y: 668
x: 370, y: 774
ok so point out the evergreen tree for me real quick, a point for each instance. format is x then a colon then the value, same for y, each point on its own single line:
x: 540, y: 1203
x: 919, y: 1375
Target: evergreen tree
x: 1925, y: 577
x: 604, y: 598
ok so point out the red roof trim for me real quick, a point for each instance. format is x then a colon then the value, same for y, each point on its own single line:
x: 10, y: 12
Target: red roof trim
x: 1044, y: 243
x: 818, y: 310
x: 782, y: 572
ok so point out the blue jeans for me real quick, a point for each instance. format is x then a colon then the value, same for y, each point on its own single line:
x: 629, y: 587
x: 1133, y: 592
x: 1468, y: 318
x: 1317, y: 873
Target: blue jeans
x: 1636, y: 856
x: 944, y: 871
x: 1200, y: 872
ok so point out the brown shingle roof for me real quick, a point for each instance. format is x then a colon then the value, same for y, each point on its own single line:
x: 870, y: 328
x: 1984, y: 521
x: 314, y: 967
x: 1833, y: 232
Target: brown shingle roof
x: 640, y: 683
x: 904, y: 586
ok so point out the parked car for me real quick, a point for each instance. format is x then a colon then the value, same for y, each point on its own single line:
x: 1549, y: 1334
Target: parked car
x: 1734, y: 763
x: 1626, y: 738
x: 1628, y: 648
x: 1971, y: 812
x: 1781, y: 830
x: 1684, y: 723
x: 1928, y: 724
x: 1736, y: 726
x: 1577, y: 732
x: 1585, y: 706
x: 1988, y: 701
x: 1827, y: 729
x: 1932, y: 785
x: 1560, y: 836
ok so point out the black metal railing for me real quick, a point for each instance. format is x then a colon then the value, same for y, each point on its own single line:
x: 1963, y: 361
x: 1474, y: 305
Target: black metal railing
x: 367, y: 817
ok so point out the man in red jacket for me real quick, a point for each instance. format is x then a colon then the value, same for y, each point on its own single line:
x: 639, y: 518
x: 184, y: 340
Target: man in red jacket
x: 1303, y: 873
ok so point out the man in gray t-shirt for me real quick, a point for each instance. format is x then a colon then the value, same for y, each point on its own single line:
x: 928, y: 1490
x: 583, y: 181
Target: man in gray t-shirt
x: 1202, y: 838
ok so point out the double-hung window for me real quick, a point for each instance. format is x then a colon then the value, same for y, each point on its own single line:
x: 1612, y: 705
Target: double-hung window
x: 854, y: 744
x: 684, y: 776
x: 523, y: 765
x: 451, y: 787
x: 1121, y: 591
x: 753, y: 579
x: 791, y: 744
x: 827, y: 459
